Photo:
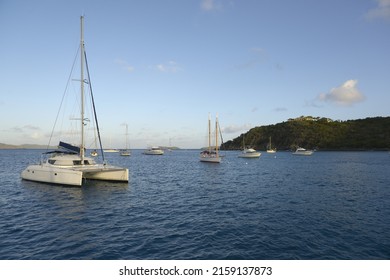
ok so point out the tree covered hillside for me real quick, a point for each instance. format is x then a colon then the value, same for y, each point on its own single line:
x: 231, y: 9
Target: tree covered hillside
x: 318, y: 133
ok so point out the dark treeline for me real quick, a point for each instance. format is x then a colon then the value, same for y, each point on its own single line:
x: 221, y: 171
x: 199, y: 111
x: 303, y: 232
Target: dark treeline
x: 318, y: 133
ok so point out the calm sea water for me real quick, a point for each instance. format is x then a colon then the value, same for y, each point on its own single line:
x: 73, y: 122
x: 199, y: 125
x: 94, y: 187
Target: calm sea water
x: 332, y: 205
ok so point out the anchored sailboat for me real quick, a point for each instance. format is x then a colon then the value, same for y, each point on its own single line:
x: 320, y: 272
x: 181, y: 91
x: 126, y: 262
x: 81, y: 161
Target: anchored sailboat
x: 270, y: 150
x: 248, y: 152
x: 211, y: 155
x: 126, y: 151
x: 68, y: 165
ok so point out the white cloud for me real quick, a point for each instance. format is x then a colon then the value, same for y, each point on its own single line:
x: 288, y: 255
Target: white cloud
x: 27, y: 132
x: 381, y: 11
x: 280, y: 109
x: 345, y: 95
x: 207, y: 5
x: 211, y: 5
x: 31, y: 127
x: 125, y: 65
x: 36, y: 135
x: 171, y: 67
x: 24, y: 129
x: 235, y: 128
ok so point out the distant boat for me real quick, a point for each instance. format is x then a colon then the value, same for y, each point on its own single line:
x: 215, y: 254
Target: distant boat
x: 94, y: 152
x: 248, y: 152
x: 211, y: 155
x: 303, y: 152
x: 270, y: 150
x: 68, y: 165
x: 126, y: 151
x: 111, y: 151
x: 154, y: 151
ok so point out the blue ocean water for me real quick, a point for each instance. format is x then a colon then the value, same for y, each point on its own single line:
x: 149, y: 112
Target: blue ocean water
x: 332, y: 205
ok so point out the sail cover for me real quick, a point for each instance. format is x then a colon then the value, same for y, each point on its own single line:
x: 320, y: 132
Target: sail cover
x: 69, y: 148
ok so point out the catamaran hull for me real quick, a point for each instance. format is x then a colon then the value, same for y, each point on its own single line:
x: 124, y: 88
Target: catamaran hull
x: 120, y: 175
x: 53, y: 175
x: 71, y: 176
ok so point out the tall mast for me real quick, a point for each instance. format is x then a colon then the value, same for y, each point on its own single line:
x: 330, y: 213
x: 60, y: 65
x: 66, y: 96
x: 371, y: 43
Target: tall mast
x: 209, y: 134
x: 216, y: 135
x: 82, y: 153
x: 127, y: 135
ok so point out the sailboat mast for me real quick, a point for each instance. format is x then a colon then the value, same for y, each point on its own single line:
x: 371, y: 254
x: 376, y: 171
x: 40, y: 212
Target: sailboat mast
x: 209, y: 134
x: 127, y: 135
x: 216, y: 135
x: 82, y: 153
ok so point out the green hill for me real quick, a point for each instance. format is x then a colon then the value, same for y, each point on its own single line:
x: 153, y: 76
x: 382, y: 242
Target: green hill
x: 319, y: 133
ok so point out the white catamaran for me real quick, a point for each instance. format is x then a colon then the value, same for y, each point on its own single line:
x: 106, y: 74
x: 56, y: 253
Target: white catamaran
x: 211, y: 155
x: 68, y: 165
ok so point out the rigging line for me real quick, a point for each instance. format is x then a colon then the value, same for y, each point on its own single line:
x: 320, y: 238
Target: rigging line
x: 93, y: 105
x: 63, y: 97
x: 220, y: 133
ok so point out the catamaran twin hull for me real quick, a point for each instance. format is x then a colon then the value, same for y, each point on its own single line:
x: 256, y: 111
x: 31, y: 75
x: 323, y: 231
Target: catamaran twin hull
x: 74, y: 176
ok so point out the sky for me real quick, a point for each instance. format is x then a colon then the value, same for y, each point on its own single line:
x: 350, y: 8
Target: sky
x: 162, y: 66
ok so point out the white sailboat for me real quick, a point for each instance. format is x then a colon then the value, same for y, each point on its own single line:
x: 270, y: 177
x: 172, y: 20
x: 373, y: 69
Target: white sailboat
x: 126, y: 151
x: 211, y: 155
x: 94, y: 152
x: 248, y: 152
x: 270, y: 150
x: 68, y: 165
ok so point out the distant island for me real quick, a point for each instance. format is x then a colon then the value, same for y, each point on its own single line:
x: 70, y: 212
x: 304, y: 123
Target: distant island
x: 318, y: 133
x: 24, y: 146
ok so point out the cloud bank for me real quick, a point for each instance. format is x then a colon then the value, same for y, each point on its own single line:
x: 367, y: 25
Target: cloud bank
x: 235, y: 128
x: 345, y: 95
x: 381, y: 11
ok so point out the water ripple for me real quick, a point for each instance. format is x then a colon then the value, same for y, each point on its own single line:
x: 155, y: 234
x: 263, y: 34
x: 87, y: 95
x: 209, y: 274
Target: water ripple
x: 328, y: 206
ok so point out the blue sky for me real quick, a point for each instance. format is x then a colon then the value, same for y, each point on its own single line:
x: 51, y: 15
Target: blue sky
x: 163, y: 66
